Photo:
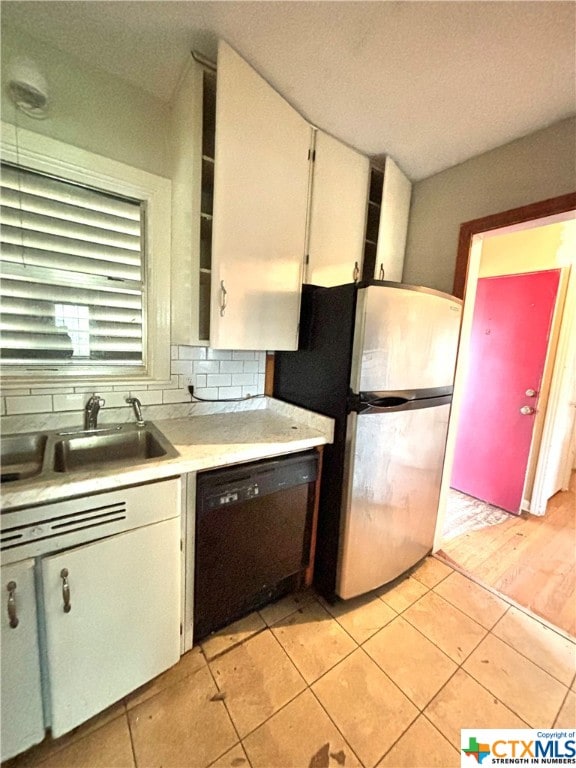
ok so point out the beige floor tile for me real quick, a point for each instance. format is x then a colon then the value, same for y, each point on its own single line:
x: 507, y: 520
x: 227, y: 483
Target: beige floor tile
x: 464, y: 703
x: 232, y: 635
x: 107, y: 747
x: 182, y: 725
x: 567, y: 715
x: 403, y: 594
x: 300, y: 735
x: 257, y: 679
x: 543, y: 646
x: 472, y: 599
x: 50, y: 746
x: 452, y: 631
x: 234, y: 758
x: 421, y: 745
x: 188, y: 664
x: 516, y: 681
x: 313, y: 639
x: 366, y: 706
x: 432, y: 571
x: 285, y: 606
x: 361, y: 617
x: 417, y: 666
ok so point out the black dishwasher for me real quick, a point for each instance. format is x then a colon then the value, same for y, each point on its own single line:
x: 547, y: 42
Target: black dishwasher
x: 253, y: 528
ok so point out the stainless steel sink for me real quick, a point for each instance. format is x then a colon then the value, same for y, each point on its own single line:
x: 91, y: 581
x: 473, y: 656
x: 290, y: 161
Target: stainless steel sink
x: 22, y: 456
x: 122, y: 445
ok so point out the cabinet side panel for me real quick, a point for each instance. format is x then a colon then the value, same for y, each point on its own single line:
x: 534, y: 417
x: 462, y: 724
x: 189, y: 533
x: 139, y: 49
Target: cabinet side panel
x: 186, y: 146
x: 260, y: 200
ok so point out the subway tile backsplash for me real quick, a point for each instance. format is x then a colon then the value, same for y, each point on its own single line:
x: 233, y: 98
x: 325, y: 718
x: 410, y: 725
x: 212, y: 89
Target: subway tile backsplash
x: 214, y: 374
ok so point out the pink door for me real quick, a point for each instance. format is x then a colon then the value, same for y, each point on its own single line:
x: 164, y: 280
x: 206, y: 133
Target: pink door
x: 510, y: 332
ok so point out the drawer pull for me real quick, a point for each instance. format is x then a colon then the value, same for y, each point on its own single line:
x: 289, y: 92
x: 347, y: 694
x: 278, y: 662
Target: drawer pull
x: 223, y: 300
x: 356, y: 272
x: 12, y: 616
x: 65, y: 590
x: 381, y: 275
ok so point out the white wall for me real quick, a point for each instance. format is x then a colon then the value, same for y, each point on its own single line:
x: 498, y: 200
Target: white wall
x: 88, y: 108
x: 529, y: 250
x: 533, y: 168
x: 107, y: 116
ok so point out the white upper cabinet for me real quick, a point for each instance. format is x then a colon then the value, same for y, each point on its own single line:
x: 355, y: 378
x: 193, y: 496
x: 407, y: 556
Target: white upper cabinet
x: 393, y: 224
x: 337, y: 212
x: 259, y: 214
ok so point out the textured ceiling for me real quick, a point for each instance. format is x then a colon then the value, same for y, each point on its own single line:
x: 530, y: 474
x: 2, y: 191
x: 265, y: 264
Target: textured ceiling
x: 430, y: 83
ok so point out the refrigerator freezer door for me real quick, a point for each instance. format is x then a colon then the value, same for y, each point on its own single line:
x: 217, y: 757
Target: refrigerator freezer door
x: 390, y: 502
x: 405, y: 338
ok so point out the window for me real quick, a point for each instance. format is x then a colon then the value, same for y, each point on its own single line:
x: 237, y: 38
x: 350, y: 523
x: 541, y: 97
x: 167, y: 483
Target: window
x: 79, y: 269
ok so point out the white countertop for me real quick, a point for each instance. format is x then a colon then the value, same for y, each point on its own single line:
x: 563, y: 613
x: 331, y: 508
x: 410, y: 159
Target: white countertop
x: 203, y: 442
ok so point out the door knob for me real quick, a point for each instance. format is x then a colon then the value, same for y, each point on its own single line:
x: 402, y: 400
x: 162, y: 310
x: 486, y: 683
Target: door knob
x: 526, y: 410
x: 531, y: 393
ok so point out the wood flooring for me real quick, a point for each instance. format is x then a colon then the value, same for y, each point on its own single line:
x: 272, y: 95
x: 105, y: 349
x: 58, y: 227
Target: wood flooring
x: 530, y: 559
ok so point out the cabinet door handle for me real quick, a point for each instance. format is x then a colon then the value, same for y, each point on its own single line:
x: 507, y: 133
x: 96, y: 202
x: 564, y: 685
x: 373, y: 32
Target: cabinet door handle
x: 65, y: 590
x: 13, y: 618
x: 223, y: 300
x: 356, y: 272
x: 381, y: 273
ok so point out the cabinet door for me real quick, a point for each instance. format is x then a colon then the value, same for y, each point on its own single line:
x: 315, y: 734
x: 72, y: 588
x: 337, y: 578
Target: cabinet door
x: 337, y: 214
x: 259, y: 216
x: 393, y: 227
x: 123, y: 623
x: 22, y: 716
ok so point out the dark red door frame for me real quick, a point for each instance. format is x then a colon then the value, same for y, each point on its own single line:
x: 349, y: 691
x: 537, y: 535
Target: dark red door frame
x: 530, y: 212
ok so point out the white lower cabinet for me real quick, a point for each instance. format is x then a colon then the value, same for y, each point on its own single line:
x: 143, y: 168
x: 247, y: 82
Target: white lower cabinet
x: 21, y: 700
x: 112, y: 619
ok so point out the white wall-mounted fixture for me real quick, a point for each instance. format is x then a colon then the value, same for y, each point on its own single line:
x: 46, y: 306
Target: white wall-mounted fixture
x: 28, y: 88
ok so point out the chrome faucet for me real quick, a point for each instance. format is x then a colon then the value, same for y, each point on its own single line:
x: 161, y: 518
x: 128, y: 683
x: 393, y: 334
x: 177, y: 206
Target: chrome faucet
x: 137, y: 405
x: 91, y: 411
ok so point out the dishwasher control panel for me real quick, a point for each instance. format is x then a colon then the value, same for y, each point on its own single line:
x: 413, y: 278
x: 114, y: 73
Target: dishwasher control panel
x: 234, y: 496
x: 235, y: 485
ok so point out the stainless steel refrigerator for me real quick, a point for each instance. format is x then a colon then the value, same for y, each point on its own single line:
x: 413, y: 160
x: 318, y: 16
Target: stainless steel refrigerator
x: 379, y: 358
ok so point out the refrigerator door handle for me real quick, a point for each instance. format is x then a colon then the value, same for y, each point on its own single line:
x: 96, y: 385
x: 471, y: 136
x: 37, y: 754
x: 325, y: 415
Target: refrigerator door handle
x: 394, y: 403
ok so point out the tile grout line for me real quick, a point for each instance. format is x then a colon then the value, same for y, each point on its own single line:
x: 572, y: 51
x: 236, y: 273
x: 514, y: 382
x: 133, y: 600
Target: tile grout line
x: 511, y: 602
x: 226, y: 709
x: 308, y: 686
x: 510, y: 605
x: 329, y: 716
x: 238, y: 645
x: 564, y: 700
x: 461, y: 664
x: 132, y: 745
x: 503, y: 640
x: 487, y: 632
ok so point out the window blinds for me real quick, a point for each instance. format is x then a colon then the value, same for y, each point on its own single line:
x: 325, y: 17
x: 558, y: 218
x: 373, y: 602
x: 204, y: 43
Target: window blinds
x: 71, y: 273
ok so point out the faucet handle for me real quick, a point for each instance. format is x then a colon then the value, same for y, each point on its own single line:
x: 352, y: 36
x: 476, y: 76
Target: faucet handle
x: 137, y: 405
